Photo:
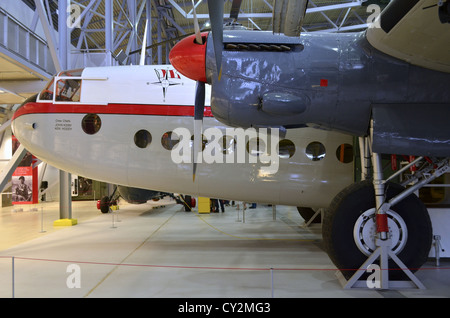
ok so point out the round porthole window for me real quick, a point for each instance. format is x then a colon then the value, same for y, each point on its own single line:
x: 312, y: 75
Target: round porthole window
x: 169, y: 140
x: 228, y: 144
x: 91, y: 124
x: 204, y: 142
x: 286, y: 149
x: 142, y: 138
x: 344, y: 153
x: 315, y: 151
x: 256, y: 146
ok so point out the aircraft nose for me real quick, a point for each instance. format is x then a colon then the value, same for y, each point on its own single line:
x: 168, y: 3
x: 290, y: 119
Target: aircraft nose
x: 22, y: 109
x: 189, y: 57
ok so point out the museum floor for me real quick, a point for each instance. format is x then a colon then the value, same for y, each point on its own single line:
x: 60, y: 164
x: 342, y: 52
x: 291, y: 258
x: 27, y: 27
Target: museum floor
x: 161, y: 251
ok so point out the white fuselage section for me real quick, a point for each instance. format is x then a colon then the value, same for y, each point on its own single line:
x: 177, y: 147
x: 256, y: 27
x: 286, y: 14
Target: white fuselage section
x: 127, y: 99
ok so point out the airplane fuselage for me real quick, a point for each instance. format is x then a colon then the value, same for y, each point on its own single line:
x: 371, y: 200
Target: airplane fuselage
x: 118, y: 128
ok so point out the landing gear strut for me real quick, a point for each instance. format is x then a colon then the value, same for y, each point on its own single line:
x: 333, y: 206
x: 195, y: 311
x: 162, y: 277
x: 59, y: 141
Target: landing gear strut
x: 381, y: 223
x: 106, y: 202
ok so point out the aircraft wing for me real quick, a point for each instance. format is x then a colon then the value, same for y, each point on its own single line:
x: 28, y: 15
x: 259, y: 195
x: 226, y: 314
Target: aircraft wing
x: 416, y: 31
x: 288, y: 16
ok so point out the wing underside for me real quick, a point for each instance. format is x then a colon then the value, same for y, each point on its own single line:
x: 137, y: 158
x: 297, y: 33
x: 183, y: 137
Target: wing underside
x: 414, y: 31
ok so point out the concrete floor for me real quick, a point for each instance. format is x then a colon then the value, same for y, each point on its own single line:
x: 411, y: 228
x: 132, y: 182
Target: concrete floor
x: 150, y: 251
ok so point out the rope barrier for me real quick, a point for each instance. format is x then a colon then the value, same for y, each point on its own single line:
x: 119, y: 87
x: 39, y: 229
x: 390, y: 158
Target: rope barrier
x: 208, y: 267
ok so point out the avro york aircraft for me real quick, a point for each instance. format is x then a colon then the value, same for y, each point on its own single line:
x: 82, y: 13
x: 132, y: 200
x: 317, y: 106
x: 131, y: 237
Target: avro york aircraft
x: 120, y: 124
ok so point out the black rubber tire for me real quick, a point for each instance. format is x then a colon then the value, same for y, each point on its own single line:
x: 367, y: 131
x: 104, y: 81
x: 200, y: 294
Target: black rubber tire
x: 187, y: 203
x: 307, y: 214
x: 104, y: 204
x: 349, y: 204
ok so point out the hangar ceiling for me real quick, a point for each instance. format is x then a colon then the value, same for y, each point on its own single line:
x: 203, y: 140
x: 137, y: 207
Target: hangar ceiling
x: 25, y: 59
x: 172, y: 19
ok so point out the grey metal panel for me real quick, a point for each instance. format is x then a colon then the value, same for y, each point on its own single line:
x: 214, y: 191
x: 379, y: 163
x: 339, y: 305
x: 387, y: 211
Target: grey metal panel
x: 340, y: 75
x: 412, y: 129
x: 311, y: 70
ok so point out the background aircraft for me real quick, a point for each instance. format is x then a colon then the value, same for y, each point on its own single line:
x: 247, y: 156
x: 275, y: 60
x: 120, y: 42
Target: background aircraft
x: 387, y: 85
x: 140, y: 196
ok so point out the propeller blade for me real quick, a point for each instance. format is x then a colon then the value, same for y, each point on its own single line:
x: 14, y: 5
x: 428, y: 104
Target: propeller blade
x: 198, y: 124
x: 215, y: 9
x: 144, y: 44
x: 235, y: 7
x: 198, y: 37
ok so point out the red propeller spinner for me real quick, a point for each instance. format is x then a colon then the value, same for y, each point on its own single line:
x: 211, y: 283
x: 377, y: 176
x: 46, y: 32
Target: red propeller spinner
x: 188, y: 57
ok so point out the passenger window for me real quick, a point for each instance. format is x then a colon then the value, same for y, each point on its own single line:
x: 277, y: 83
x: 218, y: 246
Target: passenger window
x: 142, y: 138
x: 91, y: 124
x: 286, y: 149
x: 344, y: 153
x: 204, y: 142
x: 228, y: 144
x: 256, y: 146
x: 315, y: 151
x: 169, y: 140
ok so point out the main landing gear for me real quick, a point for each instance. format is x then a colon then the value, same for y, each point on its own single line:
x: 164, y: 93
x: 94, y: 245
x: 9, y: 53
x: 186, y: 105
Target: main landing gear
x: 376, y: 229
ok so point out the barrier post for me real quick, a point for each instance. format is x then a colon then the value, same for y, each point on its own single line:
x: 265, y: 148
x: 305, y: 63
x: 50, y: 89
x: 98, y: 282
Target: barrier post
x: 271, y: 280
x: 12, y: 277
x: 42, y: 220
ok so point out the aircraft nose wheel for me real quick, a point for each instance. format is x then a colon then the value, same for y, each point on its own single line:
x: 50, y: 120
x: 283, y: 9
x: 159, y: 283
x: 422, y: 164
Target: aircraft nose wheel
x: 365, y: 232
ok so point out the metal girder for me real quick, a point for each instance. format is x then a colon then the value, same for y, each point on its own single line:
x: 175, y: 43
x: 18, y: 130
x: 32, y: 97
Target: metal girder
x: 189, y: 15
x: 313, y: 8
x: 49, y: 34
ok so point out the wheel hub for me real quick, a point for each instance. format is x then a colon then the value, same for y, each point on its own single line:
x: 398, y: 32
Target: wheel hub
x: 365, y: 232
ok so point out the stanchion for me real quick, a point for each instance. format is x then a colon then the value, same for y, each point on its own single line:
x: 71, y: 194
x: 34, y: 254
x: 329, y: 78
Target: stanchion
x: 42, y: 220
x: 117, y: 214
x: 112, y: 214
x: 13, y: 291
x: 271, y: 282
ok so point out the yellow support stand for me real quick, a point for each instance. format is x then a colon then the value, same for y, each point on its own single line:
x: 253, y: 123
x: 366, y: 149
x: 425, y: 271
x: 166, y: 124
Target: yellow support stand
x: 204, y: 205
x: 65, y: 222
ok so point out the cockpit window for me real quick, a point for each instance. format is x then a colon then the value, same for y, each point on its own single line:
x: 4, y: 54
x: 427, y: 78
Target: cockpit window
x: 72, y: 73
x: 47, y: 92
x: 66, y: 89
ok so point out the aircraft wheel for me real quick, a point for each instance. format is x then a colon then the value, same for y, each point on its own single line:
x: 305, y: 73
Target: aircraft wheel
x: 104, y: 204
x: 187, y: 203
x: 307, y: 214
x: 349, y: 229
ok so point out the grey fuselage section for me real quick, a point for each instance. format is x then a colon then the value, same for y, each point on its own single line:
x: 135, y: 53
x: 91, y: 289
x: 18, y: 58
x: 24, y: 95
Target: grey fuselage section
x: 324, y: 80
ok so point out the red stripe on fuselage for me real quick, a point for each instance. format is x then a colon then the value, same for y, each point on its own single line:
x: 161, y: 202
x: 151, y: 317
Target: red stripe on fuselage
x: 116, y: 109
